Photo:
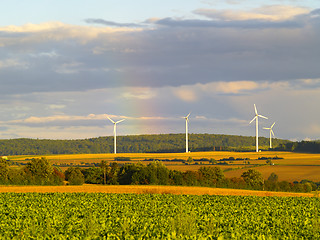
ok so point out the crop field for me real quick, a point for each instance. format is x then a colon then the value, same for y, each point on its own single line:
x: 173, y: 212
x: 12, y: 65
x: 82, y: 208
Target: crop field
x: 285, y: 173
x: 293, y: 166
x: 156, y: 216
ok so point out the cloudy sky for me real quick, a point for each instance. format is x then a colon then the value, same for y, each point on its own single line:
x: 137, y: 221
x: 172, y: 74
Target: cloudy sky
x: 67, y: 65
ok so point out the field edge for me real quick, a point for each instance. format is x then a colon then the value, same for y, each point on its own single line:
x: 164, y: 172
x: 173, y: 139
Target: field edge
x: 147, y: 189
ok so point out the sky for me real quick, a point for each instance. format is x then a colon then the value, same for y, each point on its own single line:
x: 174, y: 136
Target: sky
x: 65, y: 66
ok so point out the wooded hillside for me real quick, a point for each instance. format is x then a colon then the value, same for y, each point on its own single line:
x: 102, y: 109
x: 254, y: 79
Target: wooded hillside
x: 134, y: 144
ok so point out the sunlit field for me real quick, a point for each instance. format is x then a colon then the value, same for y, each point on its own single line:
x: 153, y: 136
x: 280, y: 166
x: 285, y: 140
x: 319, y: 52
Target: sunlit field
x: 285, y: 173
x: 293, y: 166
x: 294, y: 157
x: 289, y: 158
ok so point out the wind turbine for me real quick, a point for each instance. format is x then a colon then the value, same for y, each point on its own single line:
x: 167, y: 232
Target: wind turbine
x: 271, y: 132
x: 256, y: 117
x: 115, y: 132
x: 187, y: 120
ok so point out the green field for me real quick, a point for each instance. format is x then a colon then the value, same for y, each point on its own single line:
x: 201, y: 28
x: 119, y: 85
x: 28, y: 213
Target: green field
x: 156, y: 216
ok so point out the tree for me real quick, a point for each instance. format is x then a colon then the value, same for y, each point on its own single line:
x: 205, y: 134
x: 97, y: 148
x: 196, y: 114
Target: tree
x: 93, y: 175
x: 210, y: 175
x: 104, y: 166
x: 189, y: 160
x: 269, y: 162
x: 253, y: 178
x: 57, y: 177
x: 17, y: 176
x: 307, y: 187
x: 273, y: 177
x: 190, y: 178
x: 131, y: 174
x: 4, y: 170
x: 176, y: 177
x: 74, y: 176
x: 158, y: 173
x: 212, y: 161
x: 112, y: 176
x: 39, y: 169
x: 141, y: 175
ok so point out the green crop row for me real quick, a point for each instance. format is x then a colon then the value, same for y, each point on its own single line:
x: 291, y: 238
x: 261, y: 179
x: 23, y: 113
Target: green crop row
x: 156, y: 216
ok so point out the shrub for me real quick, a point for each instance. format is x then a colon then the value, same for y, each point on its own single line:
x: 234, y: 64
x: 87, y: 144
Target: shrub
x: 253, y: 178
x: 74, y: 176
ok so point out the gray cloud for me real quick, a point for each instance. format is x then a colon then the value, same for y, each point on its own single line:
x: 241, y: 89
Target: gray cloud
x: 110, y: 23
x: 259, y: 24
x: 60, y: 57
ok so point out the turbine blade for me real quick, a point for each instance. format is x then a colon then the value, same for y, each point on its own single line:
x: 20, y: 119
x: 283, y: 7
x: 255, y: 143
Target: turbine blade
x: 111, y: 120
x: 253, y: 119
x: 262, y: 116
x: 255, y: 109
x: 267, y: 128
x: 188, y: 115
x: 120, y: 121
x: 273, y: 124
x: 272, y: 132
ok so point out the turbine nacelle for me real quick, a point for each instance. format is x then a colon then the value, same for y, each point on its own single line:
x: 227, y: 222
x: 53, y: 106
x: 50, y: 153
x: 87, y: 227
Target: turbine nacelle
x: 187, y: 117
x: 270, y: 128
x: 114, y: 121
x: 256, y: 118
x: 257, y: 115
x: 271, y: 133
x: 187, y: 120
x: 115, y: 132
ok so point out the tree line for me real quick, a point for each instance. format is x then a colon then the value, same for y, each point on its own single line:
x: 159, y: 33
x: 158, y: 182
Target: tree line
x: 134, y: 144
x: 156, y: 173
x: 39, y: 171
x: 303, y: 146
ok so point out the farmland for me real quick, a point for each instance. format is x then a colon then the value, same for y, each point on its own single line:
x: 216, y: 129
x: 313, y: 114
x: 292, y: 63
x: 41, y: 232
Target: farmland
x: 156, y: 216
x: 162, y: 212
x: 289, y: 167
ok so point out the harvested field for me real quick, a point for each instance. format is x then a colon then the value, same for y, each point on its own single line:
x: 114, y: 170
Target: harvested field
x: 148, y: 190
x: 289, y: 157
x: 285, y: 173
x: 293, y: 166
x: 183, y: 167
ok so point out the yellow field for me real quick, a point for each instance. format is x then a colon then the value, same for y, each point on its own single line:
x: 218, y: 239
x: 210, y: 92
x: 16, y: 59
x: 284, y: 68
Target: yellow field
x: 183, y: 167
x: 140, y: 156
x: 285, y: 173
x: 294, y: 166
x: 147, y: 190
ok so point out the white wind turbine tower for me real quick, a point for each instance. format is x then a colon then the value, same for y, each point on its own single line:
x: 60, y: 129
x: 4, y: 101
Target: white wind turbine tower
x: 257, y: 126
x: 271, y: 132
x: 115, y: 132
x: 187, y: 120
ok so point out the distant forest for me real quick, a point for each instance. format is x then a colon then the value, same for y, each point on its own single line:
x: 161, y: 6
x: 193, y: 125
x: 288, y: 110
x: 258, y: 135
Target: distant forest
x: 303, y: 146
x: 139, y: 144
